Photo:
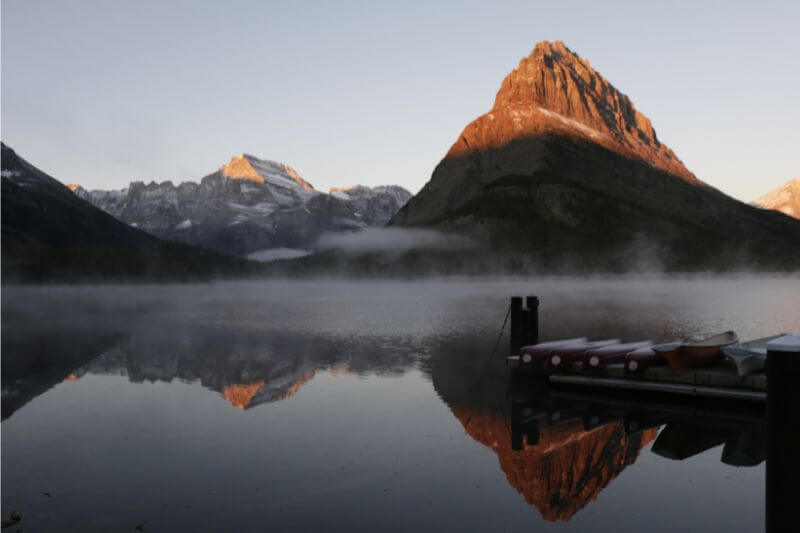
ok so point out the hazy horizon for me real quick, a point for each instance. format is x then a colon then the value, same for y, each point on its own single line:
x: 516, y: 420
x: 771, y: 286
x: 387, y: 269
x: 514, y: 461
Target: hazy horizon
x: 351, y: 92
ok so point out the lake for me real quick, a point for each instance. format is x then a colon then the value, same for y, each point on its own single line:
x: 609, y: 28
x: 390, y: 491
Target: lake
x: 356, y: 406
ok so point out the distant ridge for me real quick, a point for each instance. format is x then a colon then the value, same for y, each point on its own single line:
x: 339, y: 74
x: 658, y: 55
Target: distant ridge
x: 50, y: 233
x: 247, y: 208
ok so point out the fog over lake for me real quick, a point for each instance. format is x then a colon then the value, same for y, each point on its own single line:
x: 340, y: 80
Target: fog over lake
x: 347, y: 405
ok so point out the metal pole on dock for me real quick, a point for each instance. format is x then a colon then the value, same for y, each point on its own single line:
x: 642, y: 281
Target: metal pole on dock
x: 516, y: 324
x: 783, y: 431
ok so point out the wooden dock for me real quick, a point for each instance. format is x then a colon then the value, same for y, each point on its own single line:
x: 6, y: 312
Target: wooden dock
x: 719, y: 380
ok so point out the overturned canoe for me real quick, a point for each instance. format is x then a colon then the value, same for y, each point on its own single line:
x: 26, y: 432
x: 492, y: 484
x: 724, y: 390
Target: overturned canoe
x: 693, y: 354
x: 614, y: 353
x: 530, y: 355
x: 571, y: 353
x: 750, y: 356
x: 647, y: 357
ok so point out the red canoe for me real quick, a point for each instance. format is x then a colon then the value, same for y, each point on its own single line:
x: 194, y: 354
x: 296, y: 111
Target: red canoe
x: 534, y: 353
x: 607, y: 355
x: 571, y: 353
x: 646, y: 357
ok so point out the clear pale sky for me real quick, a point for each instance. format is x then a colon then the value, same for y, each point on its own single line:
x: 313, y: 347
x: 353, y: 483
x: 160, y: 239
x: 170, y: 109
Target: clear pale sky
x: 105, y: 92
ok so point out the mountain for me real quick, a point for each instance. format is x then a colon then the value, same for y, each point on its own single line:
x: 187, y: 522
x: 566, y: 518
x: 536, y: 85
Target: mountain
x: 375, y: 206
x: 249, y: 205
x: 564, y: 173
x: 785, y: 199
x: 49, y: 233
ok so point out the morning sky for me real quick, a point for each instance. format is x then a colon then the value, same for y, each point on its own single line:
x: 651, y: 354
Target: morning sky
x: 105, y: 92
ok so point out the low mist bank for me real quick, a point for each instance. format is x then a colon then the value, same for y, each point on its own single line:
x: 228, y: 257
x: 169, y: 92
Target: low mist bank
x: 394, y: 241
x: 421, y: 253
x: 385, y: 253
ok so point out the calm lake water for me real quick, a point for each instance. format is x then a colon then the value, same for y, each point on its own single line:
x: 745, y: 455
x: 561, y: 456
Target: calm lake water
x: 357, y: 406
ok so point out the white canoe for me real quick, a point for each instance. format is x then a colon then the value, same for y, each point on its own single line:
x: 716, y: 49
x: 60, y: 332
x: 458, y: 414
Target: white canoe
x: 750, y: 356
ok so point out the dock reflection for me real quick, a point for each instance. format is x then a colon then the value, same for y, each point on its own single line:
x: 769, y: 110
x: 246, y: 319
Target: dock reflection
x: 559, y: 448
x: 565, y: 447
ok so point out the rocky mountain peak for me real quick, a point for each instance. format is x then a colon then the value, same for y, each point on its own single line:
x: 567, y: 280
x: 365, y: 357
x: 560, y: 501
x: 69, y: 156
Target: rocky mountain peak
x: 553, y: 89
x: 248, y: 167
x: 785, y: 199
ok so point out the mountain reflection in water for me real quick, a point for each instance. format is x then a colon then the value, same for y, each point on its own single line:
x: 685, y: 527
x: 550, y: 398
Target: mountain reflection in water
x: 276, y: 366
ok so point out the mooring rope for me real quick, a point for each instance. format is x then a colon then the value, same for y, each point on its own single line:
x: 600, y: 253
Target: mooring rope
x: 500, y: 336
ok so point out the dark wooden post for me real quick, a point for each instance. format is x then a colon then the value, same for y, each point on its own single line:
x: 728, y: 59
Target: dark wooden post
x: 531, y: 320
x: 516, y: 324
x: 783, y: 431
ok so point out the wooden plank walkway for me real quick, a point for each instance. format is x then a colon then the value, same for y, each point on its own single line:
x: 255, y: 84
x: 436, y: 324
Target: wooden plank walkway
x: 718, y: 381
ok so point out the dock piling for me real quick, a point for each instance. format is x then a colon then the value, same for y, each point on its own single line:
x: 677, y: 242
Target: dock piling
x: 516, y: 324
x: 524, y: 322
x: 531, y: 321
x: 783, y: 431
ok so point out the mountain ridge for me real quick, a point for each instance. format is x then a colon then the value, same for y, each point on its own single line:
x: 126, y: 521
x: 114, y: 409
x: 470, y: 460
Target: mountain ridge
x: 49, y: 233
x: 248, y: 206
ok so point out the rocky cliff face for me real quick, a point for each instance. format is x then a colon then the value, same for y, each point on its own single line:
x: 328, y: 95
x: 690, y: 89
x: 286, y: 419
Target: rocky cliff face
x: 375, y: 206
x: 785, y: 199
x: 567, y: 468
x: 554, y: 89
x: 247, y: 206
x: 565, y: 172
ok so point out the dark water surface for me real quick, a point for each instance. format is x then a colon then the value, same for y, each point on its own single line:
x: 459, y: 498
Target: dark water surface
x: 357, y: 406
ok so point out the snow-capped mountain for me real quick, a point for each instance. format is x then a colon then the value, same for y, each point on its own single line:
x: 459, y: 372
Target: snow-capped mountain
x: 374, y: 205
x: 785, y: 199
x: 50, y: 233
x: 249, y: 205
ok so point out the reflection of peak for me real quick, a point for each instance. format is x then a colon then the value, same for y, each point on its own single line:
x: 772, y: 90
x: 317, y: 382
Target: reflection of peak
x: 281, y: 388
x: 248, y: 167
x: 247, y: 395
x: 567, y: 468
x: 240, y: 395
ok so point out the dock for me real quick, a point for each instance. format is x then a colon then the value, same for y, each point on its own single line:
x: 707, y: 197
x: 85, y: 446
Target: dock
x: 754, y: 415
x: 717, y: 380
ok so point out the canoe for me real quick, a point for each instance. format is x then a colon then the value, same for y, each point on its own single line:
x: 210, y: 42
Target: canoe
x: 566, y: 355
x: 646, y: 357
x: 607, y: 355
x: 534, y: 353
x: 750, y: 356
x: 693, y: 354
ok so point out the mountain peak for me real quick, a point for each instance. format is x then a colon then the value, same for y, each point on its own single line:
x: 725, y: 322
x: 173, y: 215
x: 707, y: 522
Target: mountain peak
x: 785, y: 199
x: 248, y: 167
x: 554, y: 90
